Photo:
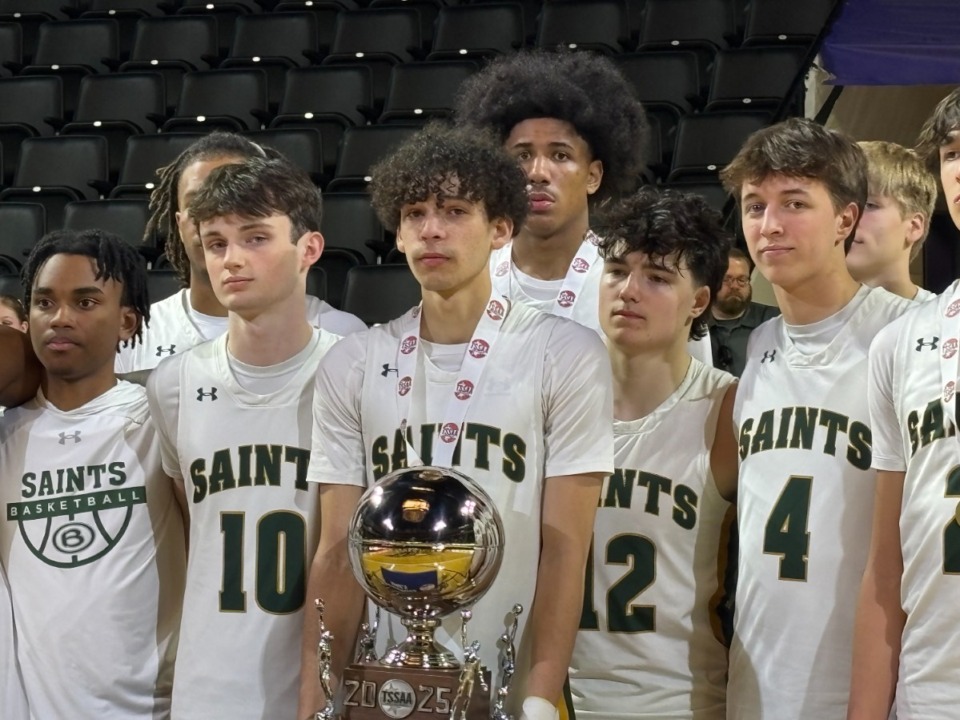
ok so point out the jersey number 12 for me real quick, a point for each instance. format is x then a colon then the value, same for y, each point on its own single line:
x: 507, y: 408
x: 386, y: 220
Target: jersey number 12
x: 622, y: 615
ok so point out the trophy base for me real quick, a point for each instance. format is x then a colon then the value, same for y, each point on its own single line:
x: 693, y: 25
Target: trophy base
x: 375, y: 692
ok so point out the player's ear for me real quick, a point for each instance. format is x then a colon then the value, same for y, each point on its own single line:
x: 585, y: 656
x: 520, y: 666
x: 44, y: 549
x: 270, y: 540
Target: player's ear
x: 701, y: 298
x: 916, y: 225
x: 129, y: 321
x: 846, y: 222
x: 502, y: 232
x: 312, y: 244
x: 400, y: 242
x: 594, y: 176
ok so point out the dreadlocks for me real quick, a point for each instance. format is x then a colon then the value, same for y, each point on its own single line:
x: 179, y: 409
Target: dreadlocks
x: 163, y: 200
x: 115, y: 259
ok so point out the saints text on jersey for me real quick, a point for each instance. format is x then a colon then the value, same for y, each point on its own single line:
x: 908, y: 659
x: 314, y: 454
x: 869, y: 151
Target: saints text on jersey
x: 247, y: 466
x: 797, y: 428
x: 927, y: 425
x: 618, y: 492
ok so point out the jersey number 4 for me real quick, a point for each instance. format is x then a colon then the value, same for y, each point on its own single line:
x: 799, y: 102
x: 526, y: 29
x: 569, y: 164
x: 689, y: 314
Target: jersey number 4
x: 280, y: 562
x: 622, y: 615
x: 786, y: 532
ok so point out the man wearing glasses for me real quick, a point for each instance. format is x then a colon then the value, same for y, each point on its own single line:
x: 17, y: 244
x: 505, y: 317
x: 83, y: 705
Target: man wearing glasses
x: 734, y: 315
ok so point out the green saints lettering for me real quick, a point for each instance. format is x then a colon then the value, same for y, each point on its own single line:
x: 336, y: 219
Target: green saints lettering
x: 927, y: 425
x: 808, y: 429
x: 681, y: 500
x: 78, y: 478
x: 247, y: 466
x: 390, y: 453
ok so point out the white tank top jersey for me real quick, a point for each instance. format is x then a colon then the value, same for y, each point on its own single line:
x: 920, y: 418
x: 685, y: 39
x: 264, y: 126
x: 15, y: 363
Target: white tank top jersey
x: 541, y: 409
x: 92, y: 544
x: 805, y: 508
x: 649, y: 645
x: 543, y: 294
x: 173, y: 331
x: 243, y: 459
x: 13, y: 699
x: 923, y: 295
x: 914, y: 434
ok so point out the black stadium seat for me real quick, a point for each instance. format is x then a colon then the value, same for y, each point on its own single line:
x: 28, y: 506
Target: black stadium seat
x: 144, y: 156
x: 786, y: 22
x: 599, y: 25
x: 124, y: 218
x: 234, y: 100
x: 361, y: 149
x: 29, y: 107
x: 380, y: 293
x: 21, y: 225
x: 706, y: 143
x: 419, y: 91
x: 302, y: 146
x: 349, y: 223
x: 11, y: 48
x: 465, y: 31
x: 753, y: 78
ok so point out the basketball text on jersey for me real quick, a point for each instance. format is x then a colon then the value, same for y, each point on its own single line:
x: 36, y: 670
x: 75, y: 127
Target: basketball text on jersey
x: 618, y: 493
x: 927, y: 425
x: 387, y: 456
x: 797, y: 428
x: 92, y: 523
x: 247, y: 466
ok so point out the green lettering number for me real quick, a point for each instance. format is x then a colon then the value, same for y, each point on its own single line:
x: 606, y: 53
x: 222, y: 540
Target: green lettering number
x: 281, y: 562
x: 622, y: 615
x: 786, y: 532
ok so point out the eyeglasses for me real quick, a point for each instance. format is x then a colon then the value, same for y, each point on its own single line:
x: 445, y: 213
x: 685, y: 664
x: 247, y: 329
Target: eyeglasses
x: 741, y: 281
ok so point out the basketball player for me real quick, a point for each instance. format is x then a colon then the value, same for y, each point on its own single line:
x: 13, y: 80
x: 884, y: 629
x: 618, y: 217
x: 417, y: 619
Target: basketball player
x: 907, y: 611
x: 92, y: 539
x: 896, y: 219
x: 805, y: 488
x: 195, y: 315
x: 648, y: 645
x: 533, y: 423
x: 13, y: 698
x: 234, y: 420
x: 574, y: 124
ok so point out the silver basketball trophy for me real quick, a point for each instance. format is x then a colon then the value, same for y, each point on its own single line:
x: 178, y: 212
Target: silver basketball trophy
x: 425, y: 542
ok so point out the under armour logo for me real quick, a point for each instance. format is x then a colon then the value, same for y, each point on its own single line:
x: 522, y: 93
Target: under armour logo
x: 387, y: 369
x: 75, y: 436
x: 201, y: 394
x: 770, y: 355
x: 161, y: 350
x: 923, y: 343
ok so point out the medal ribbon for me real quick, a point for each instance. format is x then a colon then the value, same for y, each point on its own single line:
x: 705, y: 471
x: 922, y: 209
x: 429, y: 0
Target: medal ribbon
x: 471, y: 370
x: 949, y: 356
x: 576, y: 276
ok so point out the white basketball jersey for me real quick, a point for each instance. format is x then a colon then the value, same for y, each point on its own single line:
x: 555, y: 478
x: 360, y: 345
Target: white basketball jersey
x: 543, y: 294
x: 253, y: 530
x: 173, y: 331
x: 13, y: 699
x: 541, y: 409
x: 913, y: 433
x: 92, y: 543
x: 805, y: 508
x: 648, y: 644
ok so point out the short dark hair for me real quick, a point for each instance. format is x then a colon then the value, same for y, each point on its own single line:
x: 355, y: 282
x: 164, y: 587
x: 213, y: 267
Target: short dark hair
x: 164, y: 202
x: 801, y: 148
x: 936, y: 130
x: 422, y: 165
x: 15, y: 304
x: 260, y: 187
x: 115, y: 259
x: 666, y: 224
x: 736, y: 253
x: 586, y: 90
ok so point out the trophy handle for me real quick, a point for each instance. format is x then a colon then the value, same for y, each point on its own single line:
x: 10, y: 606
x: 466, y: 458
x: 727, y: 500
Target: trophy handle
x: 508, y: 663
x: 324, y: 656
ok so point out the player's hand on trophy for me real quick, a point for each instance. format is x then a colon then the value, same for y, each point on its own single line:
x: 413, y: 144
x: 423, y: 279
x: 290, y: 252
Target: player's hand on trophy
x: 537, y: 708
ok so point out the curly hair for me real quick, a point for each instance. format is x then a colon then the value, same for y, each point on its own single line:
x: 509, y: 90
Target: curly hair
x: 164, y: 203
x: 260, y: 187
x: 15, y: 304
x: 115, y: 259
x: 669, y: 224
x: 424, y: 165
x: 936, y: 130
x: 583, y: 89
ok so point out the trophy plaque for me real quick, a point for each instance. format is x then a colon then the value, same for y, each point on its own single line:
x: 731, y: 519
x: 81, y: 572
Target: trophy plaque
x: 425, y: 542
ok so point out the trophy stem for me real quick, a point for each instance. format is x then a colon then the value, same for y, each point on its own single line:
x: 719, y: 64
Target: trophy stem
x: 419, y: 649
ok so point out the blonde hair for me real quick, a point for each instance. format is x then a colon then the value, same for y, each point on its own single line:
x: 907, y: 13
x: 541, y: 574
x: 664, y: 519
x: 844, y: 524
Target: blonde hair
x: 898, y: 173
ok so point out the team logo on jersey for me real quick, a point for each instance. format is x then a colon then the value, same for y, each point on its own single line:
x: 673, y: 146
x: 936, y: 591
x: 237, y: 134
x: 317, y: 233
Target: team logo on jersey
x: 496, y: 310
x: 580, y: 265
x: 464, y: 390
x: 930, y: 344
x: 502, y: 269
x: 768, y: 356
x: 953, y: 309
x: 73, y: 516
x: 449, y: 432
x: 949, y: 348
x: 403, y: 386
x: 169, y: 350
x: 75, y: 436
x: 201, y: 394
x: 949, y: 390
x: 566, y: 298
x: 387, y: 369
x: 408, y: 345
x: 479, y: 348
x: 396, y: 698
